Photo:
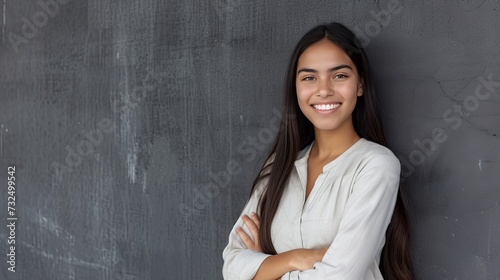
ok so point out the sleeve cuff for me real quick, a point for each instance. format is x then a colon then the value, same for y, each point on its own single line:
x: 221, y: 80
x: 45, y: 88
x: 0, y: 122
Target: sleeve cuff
x: 247, y: 262
x: 292, y: 275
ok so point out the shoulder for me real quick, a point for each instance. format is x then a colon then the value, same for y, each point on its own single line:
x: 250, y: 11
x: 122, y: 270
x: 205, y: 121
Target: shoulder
x: 373, y: 155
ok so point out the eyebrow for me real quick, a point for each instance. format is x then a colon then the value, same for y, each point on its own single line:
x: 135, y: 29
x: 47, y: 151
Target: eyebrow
x: 329, y: 70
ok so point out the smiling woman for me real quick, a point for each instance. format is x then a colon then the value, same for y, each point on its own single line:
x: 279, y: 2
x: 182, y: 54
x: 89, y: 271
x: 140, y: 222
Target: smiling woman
x: 327, y: 202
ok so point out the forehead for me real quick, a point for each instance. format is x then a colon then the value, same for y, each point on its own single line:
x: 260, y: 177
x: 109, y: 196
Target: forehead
x: 324, y: 52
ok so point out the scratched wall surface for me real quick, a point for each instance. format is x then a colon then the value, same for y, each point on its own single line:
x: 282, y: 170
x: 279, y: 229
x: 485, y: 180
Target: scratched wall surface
x: 136, y: 127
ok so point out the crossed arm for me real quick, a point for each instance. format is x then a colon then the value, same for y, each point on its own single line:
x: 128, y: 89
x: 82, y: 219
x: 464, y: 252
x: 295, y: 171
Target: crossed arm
x: 354, y: 250
x: 275, y: 266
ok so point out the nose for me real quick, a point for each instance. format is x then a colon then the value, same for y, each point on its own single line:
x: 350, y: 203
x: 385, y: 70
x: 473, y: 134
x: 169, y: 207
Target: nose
x: 324, y: 88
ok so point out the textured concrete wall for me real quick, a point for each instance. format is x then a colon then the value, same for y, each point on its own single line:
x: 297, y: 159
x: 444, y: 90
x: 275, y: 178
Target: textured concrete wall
x: 136, y: 127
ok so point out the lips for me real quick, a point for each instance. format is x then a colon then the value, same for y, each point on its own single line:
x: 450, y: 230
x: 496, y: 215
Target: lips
x: 326, y: 107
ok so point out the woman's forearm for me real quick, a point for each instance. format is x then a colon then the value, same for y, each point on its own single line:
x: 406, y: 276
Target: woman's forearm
x: 277, y: 265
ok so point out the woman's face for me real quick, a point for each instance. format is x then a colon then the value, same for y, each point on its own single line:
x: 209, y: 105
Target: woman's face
x: 328, y: 85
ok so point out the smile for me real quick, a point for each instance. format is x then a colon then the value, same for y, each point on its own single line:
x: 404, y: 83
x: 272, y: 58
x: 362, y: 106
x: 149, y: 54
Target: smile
x: 326, y: 107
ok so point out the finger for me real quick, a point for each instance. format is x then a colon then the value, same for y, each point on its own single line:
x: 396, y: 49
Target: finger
x: 255, y: 219
x: 245, y: 238
x: 254, y: 230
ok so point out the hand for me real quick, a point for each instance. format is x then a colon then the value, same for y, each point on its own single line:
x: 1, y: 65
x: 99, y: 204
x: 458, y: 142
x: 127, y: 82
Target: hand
x: 253, y: 223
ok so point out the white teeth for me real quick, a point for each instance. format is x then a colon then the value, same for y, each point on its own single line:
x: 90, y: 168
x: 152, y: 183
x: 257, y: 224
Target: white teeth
x: 326, y: 107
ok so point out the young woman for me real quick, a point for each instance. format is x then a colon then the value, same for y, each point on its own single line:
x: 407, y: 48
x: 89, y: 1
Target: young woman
x: 322, y: 204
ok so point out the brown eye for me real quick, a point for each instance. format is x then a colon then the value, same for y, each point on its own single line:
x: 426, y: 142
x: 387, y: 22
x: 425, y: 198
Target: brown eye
x: 340, y: 76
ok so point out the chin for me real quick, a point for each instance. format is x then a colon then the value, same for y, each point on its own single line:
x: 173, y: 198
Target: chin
x: 326, y: 127
x: 330, y: 125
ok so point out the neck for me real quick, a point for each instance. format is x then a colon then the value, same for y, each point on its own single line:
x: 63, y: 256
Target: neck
x: 331, y: 144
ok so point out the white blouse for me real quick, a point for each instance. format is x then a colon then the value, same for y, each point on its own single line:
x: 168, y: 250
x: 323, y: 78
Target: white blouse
x: 348, y: 210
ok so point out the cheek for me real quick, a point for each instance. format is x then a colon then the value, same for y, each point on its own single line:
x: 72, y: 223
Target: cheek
x: 303, y: 103
x: 301, y: 94
x: 304, y: 91
x: 302, y: 100
x: 349, y: 92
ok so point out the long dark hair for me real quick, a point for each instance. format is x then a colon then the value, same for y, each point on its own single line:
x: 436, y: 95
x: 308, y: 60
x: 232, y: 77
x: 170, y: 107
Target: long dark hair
x: 297, y: 132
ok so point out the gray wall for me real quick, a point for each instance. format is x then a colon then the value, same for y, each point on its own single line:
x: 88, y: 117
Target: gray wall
x: 136, y: 128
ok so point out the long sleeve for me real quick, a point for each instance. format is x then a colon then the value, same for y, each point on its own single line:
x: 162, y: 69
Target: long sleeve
x: 362, y: 229
x: 241, y: 263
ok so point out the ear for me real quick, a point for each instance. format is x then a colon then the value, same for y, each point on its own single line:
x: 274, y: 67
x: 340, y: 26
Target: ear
x: 360, y: 89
